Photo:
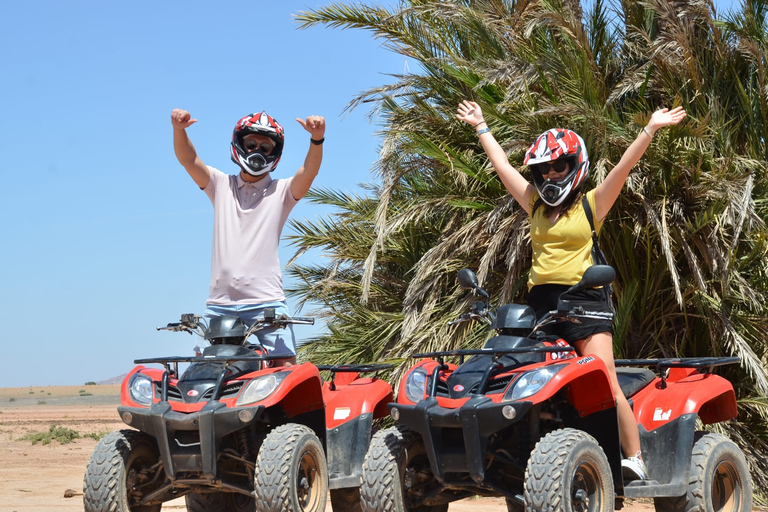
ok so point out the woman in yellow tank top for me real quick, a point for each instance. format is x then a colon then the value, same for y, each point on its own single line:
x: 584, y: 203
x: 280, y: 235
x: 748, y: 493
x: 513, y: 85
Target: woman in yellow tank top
x: 561, y: 237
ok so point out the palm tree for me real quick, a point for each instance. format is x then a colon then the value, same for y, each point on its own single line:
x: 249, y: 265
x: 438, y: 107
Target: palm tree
x: 687, y: 237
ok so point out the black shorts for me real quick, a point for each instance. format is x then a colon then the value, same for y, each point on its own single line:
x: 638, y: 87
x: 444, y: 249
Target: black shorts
x: 543, y: 298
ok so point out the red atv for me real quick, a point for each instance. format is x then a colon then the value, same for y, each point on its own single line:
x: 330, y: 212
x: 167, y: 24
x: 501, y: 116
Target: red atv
x: 233, y: 433
x: 527, y: 419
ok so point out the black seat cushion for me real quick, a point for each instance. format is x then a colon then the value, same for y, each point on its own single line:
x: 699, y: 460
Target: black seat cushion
x: 633, y: 380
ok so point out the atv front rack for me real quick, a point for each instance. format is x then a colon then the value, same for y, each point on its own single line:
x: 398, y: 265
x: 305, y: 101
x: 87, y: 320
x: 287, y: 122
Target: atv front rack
x: 357, y: 368
x: 497, y: 353
x: 175, y: 360
x: 493, y: 367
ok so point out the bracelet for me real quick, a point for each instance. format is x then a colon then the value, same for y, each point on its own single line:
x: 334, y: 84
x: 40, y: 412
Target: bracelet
x: 316, y: 142
x: 647, y: 132
x: 484, y: 130
x: 481, y: 122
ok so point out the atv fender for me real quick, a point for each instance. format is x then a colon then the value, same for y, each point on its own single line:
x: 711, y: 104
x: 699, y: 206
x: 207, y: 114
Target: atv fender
x: 300, y: 393
x: 156, y: 374
x: 685, y: 391
x: 586, y: 383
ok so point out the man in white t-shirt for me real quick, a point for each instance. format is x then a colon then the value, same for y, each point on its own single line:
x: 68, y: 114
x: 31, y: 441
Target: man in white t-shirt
x: 250, y: 210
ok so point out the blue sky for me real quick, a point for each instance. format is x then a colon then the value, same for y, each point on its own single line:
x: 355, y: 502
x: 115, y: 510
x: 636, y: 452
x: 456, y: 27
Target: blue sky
x: 104, y: 236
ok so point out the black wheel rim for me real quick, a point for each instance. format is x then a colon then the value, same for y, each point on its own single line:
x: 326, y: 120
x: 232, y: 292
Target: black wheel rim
x: 586, y: 492
x: 417, y: 482
x: 136, y: 479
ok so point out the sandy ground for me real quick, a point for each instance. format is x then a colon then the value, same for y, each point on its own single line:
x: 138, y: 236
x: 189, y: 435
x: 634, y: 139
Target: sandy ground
x: 35, y: 478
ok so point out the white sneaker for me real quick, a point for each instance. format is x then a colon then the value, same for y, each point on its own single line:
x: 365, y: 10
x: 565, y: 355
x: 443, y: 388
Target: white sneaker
x: 633, y: 468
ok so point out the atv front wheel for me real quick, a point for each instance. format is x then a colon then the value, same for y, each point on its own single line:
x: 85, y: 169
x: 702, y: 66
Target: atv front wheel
x: 218, y: 502
x: 396, y: 474
x: 719, y: 480
x: 120, y: 471
x: 291, y: 473
x: 568, y: 472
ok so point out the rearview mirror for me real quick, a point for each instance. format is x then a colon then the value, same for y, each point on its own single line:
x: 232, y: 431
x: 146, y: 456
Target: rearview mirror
x: 595, y: 277
x: 467, y: 279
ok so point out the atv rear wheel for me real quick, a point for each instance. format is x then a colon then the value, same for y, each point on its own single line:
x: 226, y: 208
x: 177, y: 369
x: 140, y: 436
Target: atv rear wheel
x: 719, y: 480
x: 346, y: 500
x: 117, y: 475
x: 219, y: 502
x: 568, y: 472
x: 291, y: 473
x: 396, y: 474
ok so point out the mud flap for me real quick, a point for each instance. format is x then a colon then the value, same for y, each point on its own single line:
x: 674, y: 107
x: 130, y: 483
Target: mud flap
x: 667, y: 454
x: 346, y: 446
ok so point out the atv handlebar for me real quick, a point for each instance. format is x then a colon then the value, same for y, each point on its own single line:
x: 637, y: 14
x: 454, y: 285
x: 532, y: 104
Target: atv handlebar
x: 189, y: 323
x: 194, y: 324
x: 271, y: 320
x: 468, y: 317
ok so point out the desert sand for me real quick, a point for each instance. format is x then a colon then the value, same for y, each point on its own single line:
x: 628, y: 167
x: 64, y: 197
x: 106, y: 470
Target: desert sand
x: 36, y: 478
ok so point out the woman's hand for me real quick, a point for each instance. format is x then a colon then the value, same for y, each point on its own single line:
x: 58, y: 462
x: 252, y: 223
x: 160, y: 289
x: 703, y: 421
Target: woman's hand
x: 665, y: 117
x: 470, y: 113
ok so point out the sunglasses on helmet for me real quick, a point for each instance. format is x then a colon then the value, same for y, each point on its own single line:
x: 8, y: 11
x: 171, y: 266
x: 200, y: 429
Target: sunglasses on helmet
x: 557, y: 166
x: 252, y: 145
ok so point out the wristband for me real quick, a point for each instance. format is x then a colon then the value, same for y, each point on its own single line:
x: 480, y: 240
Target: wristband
x: 649, y: 134
x: 484, y: 130
x: 316, y: 142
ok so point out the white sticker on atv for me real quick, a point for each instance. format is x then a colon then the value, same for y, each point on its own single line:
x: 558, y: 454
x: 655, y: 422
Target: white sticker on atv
x: 341, y: 413
x: 586, y: 360
x: 660, y: 415
x: 562, y: 355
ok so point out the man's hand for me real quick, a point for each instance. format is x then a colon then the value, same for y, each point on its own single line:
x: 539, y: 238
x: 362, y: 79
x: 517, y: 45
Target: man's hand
x: 181, y: 119
x: 315, y: 125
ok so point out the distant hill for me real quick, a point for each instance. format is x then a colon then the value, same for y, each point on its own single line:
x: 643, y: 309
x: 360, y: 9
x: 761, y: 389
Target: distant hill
x: 113, y: 380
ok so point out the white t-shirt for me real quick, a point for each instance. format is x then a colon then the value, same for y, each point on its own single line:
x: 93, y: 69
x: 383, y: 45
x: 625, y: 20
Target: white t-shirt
x: 248, y: 219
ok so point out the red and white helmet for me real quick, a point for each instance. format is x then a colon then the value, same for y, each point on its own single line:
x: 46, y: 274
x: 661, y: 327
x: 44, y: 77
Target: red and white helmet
x: 558, y: 144
x: 257, y: 162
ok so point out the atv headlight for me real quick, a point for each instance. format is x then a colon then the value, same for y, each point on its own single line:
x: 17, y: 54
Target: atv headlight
x: 140, y: 388
x: 531, y: 382
x: 260, y: 388
x: 415, y: 385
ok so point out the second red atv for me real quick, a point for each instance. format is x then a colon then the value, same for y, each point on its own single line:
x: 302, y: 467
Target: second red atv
x: 232, y: 433
x: 527, y: 419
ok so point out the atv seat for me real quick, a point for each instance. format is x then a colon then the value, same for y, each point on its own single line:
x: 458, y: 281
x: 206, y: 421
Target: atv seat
x: 632, y: 380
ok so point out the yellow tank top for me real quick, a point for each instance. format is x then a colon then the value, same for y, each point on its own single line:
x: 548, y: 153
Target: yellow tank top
x: 561, y: 251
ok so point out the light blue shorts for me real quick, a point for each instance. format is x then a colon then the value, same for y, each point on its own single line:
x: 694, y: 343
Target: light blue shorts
x: 277, y: 341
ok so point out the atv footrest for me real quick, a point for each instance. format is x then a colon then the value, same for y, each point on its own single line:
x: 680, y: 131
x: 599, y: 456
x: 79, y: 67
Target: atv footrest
x: 652, y: 489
